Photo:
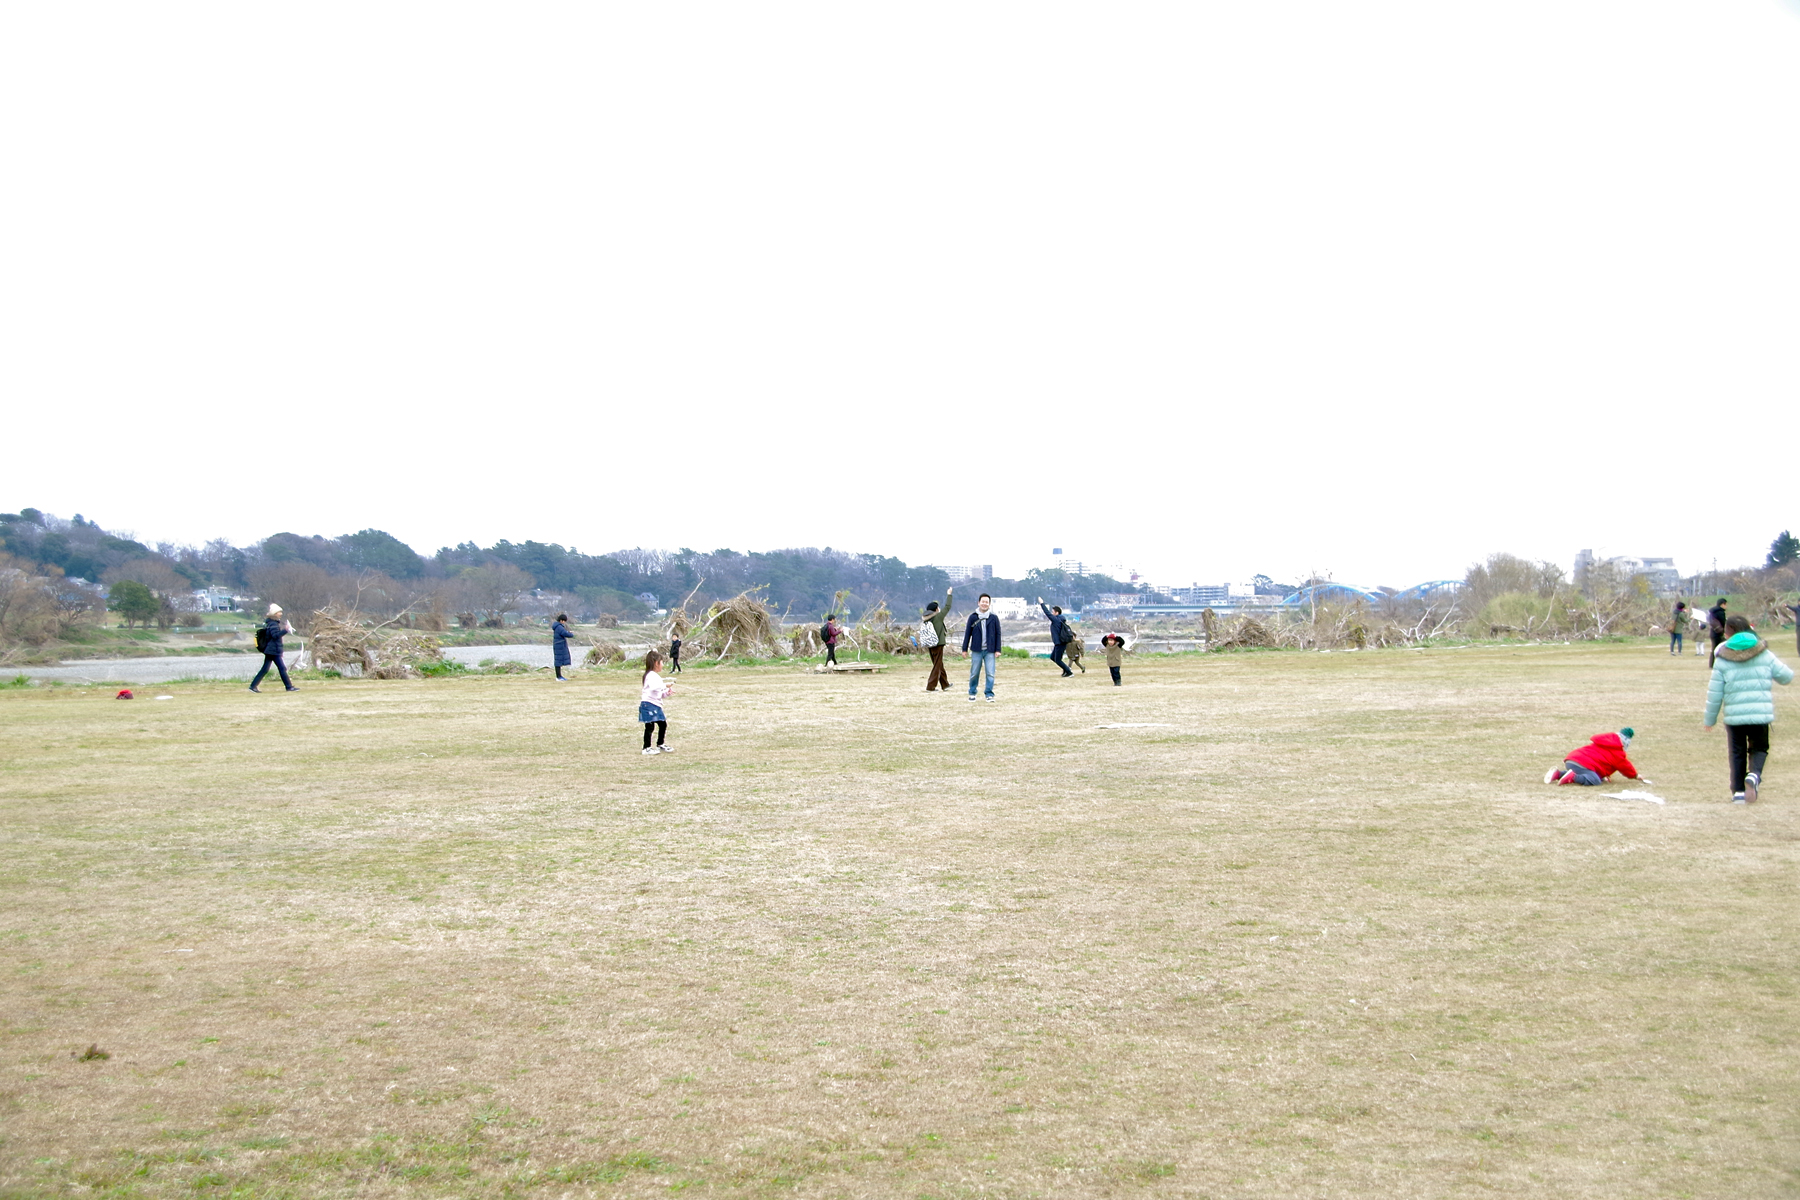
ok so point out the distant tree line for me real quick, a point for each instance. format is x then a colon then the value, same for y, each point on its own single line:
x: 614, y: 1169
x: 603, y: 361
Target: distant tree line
x: 378, y: 575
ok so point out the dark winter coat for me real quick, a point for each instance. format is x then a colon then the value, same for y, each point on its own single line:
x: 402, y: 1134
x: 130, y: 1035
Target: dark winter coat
x: 1059, y: 625
x: 1715, y: 622
x: 560, y: 636
x: 989, y: 636
x: 276, y: 628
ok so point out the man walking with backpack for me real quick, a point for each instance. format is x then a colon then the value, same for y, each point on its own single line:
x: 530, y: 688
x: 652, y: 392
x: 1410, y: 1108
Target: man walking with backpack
x: 931, y: 636
x: 1059, y: 635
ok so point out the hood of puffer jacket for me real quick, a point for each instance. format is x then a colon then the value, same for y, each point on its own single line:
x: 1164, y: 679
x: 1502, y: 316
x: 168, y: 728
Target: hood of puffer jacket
x: 1742, y: 647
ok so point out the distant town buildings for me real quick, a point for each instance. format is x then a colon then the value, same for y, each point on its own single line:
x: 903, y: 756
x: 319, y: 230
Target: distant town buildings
x: 979, y: 574
x: 215, y: 599
x: 1659, y: 573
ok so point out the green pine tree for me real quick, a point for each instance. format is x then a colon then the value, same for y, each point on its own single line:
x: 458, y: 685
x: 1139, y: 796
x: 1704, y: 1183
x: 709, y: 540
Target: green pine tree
x: 1783, y: 550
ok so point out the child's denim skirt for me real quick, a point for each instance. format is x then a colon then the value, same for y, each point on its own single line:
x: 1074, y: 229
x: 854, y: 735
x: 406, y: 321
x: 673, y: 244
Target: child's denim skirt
x: 648, y: 712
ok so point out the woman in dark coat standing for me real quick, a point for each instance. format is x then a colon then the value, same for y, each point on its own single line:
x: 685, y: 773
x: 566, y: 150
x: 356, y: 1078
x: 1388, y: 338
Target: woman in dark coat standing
x: 559, y: 636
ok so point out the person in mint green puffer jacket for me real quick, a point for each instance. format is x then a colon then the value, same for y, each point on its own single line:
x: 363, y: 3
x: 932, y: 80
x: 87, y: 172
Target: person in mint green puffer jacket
x: 1741, y: 688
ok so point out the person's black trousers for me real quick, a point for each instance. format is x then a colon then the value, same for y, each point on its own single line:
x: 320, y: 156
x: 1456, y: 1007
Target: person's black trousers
x: 1115, y: 675
x: 675, y: 662
x: 830, y: 653
x: 1749, y: 750
x: 661, y: 727
x: 1056, y: 656
x: 275, y: 661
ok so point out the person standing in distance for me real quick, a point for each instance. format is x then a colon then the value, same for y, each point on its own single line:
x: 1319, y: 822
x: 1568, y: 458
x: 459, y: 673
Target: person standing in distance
x: 559, y: 652
x: 981, y: 642
x: 931, y: 632
x: 829, y: 634
x: 1059, y: 635
x: 1715, y: 630
x: 1675, y: 621
x: 674, y: 653
x: 275, y: 627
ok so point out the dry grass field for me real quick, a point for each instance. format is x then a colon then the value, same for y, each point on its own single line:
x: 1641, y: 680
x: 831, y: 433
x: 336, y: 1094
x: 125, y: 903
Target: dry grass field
x: 1314, y: 927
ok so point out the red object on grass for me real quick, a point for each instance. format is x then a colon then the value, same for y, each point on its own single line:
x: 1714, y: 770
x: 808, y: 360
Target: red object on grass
x: 1603, y: 755
x: 124, y: 694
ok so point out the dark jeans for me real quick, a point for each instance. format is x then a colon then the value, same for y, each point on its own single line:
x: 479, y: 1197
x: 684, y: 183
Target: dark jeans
x: 1749, y: 742
x: 1583, y: 776
x: 1115, y: 675
x: 275, y: 661
x: 662, y: 727
x: 1712, y: 652
x: 939, y: 678
x: 1675, y: 642
x: 1056, y: 656
x: 675, y: 661
x: 830, y: 652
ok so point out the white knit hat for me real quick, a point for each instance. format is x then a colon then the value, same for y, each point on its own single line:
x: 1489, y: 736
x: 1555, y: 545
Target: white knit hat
x: 274, y: 610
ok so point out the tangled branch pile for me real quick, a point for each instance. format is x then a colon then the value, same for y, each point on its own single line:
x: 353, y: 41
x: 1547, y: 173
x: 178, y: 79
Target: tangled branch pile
x: 806, y: 641
x: 744, y: 624
x: 344, y: 644
x: 605, y: 654
x: 877, y: 631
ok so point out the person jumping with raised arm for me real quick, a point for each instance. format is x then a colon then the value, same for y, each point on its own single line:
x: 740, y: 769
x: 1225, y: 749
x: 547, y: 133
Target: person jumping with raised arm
x: 1059, y: 635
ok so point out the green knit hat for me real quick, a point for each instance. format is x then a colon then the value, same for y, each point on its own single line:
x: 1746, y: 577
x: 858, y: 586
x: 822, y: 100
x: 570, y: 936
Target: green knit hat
x: 1626, y: 734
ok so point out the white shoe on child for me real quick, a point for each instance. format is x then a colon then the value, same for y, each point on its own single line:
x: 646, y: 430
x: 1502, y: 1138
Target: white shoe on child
x: 649, y: 749
x: 665, y: 749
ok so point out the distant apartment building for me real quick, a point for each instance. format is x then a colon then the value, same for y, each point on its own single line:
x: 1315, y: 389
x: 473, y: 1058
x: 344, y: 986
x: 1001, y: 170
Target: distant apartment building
x: 214, y: 599
x: 979, y: 574
x: 1218, y: 594
x: 1659, y: 573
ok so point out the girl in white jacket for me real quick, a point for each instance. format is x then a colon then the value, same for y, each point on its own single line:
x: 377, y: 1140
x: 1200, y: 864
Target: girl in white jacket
x: 650, y: 713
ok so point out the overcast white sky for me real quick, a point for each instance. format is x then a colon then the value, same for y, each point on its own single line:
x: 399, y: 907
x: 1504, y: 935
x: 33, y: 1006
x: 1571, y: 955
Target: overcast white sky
x: 1204, y: 288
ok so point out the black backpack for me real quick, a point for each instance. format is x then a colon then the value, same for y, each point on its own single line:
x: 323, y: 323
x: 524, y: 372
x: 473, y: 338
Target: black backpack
x: 262, y: 639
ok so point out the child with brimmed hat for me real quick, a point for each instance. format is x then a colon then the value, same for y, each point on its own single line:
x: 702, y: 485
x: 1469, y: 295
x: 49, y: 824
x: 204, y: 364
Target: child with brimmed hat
x: 1589, y: 765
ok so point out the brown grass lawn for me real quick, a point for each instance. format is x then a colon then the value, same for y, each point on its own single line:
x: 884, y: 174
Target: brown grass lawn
x: 1318, y: 931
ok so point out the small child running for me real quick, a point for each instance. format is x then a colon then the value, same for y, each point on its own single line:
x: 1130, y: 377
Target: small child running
x: 1115, y: 654
x: 650, y: 713
x: 1589, y: 765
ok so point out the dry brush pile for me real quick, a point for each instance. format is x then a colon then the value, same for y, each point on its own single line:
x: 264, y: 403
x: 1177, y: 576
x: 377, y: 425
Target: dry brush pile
x: 340, y: 641
x: 743, y: 626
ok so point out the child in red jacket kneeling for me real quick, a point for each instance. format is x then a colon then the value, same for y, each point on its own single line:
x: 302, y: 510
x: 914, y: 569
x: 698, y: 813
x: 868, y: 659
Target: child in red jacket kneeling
x: 1590, y: 764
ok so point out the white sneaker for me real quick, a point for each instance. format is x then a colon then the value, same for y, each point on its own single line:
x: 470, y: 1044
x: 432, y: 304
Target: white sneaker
x: 666, y: 749
x: 971, y: 699
x: 1751, y: 784
x: 650, y: 750
x: 1738, y: 798
x: 990, y: 699
x: 1551, y: 774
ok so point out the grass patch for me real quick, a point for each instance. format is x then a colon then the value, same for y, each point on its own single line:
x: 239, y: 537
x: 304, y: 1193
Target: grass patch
x: 1319, y: 930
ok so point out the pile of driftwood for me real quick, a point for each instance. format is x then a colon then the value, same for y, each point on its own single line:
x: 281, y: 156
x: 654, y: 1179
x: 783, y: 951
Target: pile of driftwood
x: 604, y: 654
x: 743, y: 625
x: 877, y: 631
x: 341, y: 642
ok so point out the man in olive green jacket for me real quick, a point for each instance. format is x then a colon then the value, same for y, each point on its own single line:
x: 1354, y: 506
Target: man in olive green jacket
x: 934, y: 619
